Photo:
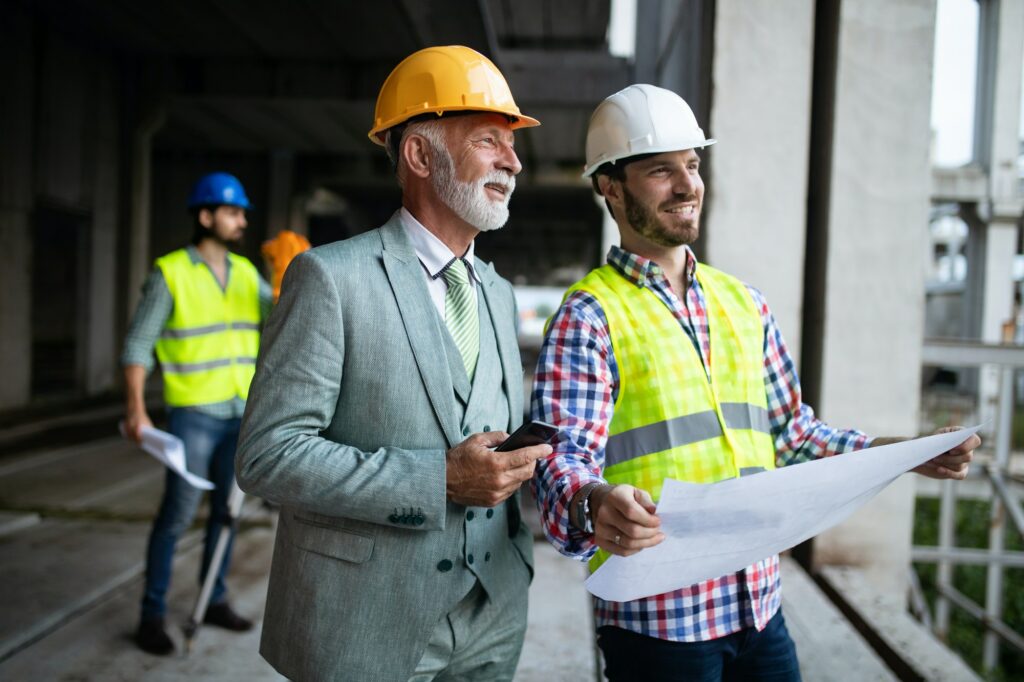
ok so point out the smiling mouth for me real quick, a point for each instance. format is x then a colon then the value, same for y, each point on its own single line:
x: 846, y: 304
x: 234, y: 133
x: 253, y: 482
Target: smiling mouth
x: 500, y: 189
x: 686, y: 211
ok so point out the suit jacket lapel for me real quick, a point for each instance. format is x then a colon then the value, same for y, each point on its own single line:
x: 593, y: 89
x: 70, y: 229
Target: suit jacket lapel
x: 504, y: 324
x: 421, y: 324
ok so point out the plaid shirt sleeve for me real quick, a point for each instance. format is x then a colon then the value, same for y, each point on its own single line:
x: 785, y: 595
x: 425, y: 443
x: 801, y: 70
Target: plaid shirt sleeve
x: 150, y: 316
x: 799, y: 435
x: 574, y: 388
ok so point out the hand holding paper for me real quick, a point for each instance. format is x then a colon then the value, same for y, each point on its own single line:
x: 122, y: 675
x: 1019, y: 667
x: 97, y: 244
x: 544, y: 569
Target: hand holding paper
x: 723, y: 527
x: 169, y: 451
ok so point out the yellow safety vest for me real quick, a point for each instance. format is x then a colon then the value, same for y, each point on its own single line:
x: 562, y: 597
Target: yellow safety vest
x: 207, y: 350
x: 669, y: 420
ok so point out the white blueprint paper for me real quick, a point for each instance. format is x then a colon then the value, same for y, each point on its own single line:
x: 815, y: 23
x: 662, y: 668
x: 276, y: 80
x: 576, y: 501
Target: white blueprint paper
x: 169, y: 451
x: 717, y: 529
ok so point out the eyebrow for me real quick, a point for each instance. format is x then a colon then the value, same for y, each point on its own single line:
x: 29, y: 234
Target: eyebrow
x: 496, y: 132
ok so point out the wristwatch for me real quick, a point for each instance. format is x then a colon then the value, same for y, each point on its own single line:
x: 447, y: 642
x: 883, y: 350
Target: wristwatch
x: 581, y: 514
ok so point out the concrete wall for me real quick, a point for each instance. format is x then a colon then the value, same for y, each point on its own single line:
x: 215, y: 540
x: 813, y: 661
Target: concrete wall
x: 59, y: 151
x: 877, y: 229
x: 760, y: 114
x: 16, y: 44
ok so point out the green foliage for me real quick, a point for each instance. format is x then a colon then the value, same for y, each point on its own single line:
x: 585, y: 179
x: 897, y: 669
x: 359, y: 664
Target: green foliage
x: 965, y: 633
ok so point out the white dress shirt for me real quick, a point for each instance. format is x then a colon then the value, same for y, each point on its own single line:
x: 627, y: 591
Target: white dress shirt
x: 435, y: 256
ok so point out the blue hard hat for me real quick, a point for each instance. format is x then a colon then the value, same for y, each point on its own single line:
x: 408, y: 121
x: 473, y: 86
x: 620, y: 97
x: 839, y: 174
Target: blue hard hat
x: 218, y: 189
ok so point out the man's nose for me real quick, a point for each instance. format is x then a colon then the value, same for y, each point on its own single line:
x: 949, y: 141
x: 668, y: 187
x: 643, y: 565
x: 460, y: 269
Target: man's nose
x: 509, y: 161
x: 686, y: 183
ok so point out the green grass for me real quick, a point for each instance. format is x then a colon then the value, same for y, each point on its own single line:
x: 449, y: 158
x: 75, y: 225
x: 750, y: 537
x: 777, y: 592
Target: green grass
x: 966, y: 633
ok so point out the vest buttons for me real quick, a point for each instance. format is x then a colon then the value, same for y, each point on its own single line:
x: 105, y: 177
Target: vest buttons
x: 487, y: 556
x: 444, y: 565
x: 490, y: 513
x: 470, y: 515
x: 469, y: 558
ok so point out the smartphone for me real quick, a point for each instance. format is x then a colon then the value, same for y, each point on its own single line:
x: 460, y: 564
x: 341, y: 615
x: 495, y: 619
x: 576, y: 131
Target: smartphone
x: 530, y: 433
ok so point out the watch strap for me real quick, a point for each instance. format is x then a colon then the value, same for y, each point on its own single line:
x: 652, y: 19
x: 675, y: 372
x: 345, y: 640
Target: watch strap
x: 580, y: 513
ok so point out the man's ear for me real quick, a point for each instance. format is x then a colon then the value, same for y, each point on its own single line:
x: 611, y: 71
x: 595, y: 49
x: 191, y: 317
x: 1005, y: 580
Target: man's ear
x: 611, y: 189
x: 206, y: 217
x: 417, y: 155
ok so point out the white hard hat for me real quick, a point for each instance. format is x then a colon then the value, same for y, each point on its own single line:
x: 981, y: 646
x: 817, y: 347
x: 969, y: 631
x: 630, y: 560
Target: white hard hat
x: 641, y: 119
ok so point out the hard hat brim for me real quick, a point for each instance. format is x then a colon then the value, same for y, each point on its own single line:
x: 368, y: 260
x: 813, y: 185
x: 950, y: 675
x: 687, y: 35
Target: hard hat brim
x: 520, y: 120
x: 592, y: 168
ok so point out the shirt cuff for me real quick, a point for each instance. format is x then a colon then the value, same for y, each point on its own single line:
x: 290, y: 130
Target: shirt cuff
x: 578, y: 543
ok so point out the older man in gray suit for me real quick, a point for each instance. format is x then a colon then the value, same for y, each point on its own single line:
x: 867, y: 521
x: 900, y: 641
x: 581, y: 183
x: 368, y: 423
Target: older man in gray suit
x: 388, y: 371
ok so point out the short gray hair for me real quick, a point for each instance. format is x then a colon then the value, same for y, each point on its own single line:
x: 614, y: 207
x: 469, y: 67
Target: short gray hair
x: 431, y: 129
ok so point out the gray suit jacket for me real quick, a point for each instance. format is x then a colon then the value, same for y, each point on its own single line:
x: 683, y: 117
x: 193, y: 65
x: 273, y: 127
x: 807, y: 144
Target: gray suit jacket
x: 348, y: 419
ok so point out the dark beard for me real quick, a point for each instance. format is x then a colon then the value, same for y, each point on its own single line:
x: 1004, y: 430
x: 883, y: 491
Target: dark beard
x: 646, y: 224
x: 226, y: 243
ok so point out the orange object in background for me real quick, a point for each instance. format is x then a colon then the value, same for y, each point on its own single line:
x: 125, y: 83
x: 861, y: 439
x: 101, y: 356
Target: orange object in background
x: 279, y: 253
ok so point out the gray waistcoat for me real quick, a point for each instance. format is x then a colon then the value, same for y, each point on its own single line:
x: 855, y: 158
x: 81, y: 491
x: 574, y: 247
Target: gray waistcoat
x: 487, y: 552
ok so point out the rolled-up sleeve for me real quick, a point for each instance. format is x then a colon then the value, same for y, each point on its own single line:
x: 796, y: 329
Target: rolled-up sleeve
x: 151, y: 315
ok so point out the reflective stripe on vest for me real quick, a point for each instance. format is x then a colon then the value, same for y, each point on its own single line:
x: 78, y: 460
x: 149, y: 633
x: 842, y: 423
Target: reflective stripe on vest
x: 207, y: 350
x: 671, y: 420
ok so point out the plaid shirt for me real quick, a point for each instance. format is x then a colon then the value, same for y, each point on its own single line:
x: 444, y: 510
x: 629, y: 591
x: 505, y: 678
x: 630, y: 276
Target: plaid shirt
x: 576, y: 386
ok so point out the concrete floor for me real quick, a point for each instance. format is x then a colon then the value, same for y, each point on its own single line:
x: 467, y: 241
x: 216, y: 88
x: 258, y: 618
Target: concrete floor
x: 73, y: 527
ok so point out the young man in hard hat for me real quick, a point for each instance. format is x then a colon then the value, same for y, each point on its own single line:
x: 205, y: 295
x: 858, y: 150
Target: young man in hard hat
x: 641, y: 351
x: 201, y: 309
x: 388, y: 371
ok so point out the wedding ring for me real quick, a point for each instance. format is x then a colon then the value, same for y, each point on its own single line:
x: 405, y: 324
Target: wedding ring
x: 617, y: 538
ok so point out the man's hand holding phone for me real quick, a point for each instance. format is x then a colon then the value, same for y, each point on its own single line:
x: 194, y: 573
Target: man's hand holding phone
x: 477, y: 475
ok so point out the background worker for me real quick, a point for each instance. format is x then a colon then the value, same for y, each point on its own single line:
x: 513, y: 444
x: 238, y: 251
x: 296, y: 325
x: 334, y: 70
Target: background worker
x: 388, y: 370
x: 201, y: 310
x: 656, y: 366
x: 279, y: 252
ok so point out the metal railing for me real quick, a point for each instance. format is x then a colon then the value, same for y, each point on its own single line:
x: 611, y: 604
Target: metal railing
x: 1005, y: 502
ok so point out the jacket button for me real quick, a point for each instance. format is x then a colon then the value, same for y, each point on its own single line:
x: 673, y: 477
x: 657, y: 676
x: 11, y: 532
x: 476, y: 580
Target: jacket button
x: 466, y: 431
x: 393, y: 518
x: 470, y: 515
x: 486, y: 428
x: 487, y: 556
x: 470, y: 558
x: 444, y: 565
x: 490, y: 513
x: 420, y: 518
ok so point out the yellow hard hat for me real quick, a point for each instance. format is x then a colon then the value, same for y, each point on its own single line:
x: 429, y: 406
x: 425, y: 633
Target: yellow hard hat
x: 439, y: 79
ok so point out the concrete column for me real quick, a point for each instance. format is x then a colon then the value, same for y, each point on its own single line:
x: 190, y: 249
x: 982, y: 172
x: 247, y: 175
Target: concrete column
x: 874, y: 283
x: 101, y: 342
x: 760, y: 113
x: 996, y: 148
x: 997, y: 145
x: 139, y: 261
x: 17, y: 57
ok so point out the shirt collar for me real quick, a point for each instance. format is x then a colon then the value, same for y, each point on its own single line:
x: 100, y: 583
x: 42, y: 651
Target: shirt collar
x: 432, y: 252
x: 643, y: 271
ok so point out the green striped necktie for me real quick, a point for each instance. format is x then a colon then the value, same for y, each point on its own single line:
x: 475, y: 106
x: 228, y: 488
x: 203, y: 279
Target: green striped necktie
x: 460, y: 314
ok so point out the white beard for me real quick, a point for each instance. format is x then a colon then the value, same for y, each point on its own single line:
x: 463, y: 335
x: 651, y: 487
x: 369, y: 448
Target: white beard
x: 469, y: 200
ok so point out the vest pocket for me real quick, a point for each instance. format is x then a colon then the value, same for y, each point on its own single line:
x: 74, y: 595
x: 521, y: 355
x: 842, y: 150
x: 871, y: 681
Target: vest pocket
x: 329, y: 540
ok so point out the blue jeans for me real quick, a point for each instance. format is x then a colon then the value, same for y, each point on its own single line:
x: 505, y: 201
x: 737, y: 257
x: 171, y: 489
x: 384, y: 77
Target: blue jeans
x: 769, y: 655
x: 210, y: 445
